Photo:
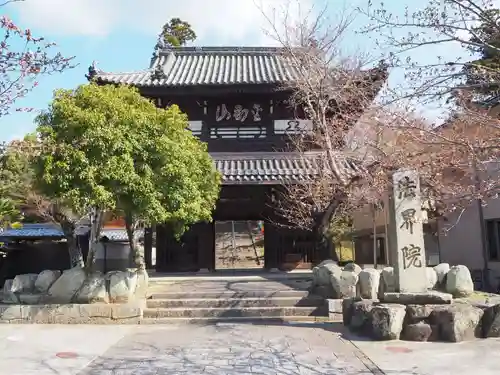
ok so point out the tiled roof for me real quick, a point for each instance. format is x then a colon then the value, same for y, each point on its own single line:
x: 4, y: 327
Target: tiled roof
x: 53, y: 231
x: 188, y: 66
x: 119, y: 234
x: 276, y: 167
x: 33, y: 231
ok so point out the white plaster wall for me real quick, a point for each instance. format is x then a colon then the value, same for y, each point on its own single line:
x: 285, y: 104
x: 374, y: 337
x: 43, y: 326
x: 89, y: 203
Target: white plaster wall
x: 460, y: 239
x: 462, y: 244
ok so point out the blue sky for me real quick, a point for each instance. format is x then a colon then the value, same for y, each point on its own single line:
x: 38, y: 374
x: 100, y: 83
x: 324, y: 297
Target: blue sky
x: 120, y: 35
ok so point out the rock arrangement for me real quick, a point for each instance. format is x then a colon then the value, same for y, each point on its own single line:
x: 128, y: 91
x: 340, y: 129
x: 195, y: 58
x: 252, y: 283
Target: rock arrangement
x: 370, y: 306
x: 333, y: 282
x: 75, y: 286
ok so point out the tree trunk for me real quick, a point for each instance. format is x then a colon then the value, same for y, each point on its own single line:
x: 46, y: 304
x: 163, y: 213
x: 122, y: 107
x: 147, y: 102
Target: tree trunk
x: 75, y: 253
x: 135, y: 247
x: 325, y: 248
x: 96, y: 217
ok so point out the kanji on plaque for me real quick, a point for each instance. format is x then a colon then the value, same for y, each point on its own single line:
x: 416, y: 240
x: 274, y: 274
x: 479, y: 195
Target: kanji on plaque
x: 222, y: 113
x: 240, y: 113
x: 412, y: 256
x: 409, y: 219
x: 256, y: 110
x: 407, y: 188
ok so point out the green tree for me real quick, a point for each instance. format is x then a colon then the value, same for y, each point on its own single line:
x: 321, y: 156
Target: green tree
x: 176, y: 33
x: 106, y: 148
x: 16, y: 177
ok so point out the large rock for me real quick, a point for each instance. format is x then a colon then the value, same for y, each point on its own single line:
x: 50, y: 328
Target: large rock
x: 142, y: 284
x: 93, y: 290
x: 348, y: 284
x: 326, y: 279
x: 30, y: 299
x: 417, y: 332
x: 459, y: 281
x: 45, y: 280
x: 352, y: 267
x: 334, y: 286
x: 321, y: 273
x: 428, y: 298
x: 387, y: 321
x: 369, y: 280
x: 8, y: 296
x: 122, y: 286
x: 432, y: 278
x: 441, y: 271
x: 66, y: 286
x: 360, y: 321
x: 458, y: 322
x: 24, y: 283
x: 491, y: 321
x: 387, y: 281
x: 347, y: 309
x: 417, y: 313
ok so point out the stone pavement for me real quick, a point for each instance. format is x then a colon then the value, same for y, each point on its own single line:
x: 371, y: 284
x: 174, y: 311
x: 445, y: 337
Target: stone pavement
x: 477, y: 357
x: 228, y: 349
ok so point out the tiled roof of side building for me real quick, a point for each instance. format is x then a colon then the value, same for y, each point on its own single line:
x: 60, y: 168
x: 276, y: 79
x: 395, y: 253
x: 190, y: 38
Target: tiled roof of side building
x: 195, y: 66
x: 52, y: 231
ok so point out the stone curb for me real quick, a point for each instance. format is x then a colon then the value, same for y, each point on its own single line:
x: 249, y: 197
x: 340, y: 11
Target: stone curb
x: 72, y: 313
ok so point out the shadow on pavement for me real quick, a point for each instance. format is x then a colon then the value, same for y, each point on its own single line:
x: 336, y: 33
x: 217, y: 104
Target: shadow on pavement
x: 235, y: 353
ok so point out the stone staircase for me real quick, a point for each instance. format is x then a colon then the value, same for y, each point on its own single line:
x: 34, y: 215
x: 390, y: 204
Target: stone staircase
x: 233, y: 300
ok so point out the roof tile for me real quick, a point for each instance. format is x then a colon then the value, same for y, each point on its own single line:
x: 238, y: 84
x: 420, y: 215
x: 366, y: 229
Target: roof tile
x: 189, y: 66
x: 276, y: 168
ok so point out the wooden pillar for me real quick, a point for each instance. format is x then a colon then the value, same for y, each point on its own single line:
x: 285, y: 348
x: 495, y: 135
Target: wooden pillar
x: 271, y: 246
x: 206, y: 246
x: 161, y: 248
x: 148, y: 247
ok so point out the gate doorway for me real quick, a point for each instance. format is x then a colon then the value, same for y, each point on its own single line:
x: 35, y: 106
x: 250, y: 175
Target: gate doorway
x: 239, y: 244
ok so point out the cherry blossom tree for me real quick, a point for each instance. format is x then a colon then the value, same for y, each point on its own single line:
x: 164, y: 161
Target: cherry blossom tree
x: 23, y: 58
x: 473, y: 25
x: 359, y: 144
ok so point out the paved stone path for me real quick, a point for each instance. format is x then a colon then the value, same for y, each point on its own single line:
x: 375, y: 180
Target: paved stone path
x: 228, y: 349
x: 176, y: 350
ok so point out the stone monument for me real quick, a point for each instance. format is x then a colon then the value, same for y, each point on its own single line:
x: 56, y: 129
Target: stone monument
x: 407, y: 234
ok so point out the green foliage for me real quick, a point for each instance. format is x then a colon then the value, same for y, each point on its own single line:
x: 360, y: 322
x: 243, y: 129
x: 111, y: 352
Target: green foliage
x: 108, y: 147
x: 177, y: 33
x: 16, y: 175
x: 9, y: 211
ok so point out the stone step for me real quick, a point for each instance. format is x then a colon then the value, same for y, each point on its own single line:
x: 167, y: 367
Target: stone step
x: 212, y: 294
x: 238, y: 319
x: 223, y: 312
x: 311, y: 301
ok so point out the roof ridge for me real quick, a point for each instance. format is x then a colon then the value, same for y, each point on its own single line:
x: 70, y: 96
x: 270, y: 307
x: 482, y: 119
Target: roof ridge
x: 221, y: 49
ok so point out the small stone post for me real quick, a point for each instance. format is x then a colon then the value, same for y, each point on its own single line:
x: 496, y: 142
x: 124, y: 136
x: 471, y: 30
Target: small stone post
x: 407, y: 234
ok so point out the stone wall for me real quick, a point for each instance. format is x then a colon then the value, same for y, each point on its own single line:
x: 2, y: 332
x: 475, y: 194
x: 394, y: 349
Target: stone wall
x: 130, y: 313
x: 370, y: 306
x: 75, y: 297
x: 76, y: 286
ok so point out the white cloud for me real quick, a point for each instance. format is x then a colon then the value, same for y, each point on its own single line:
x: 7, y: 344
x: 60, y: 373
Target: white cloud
x: 226, y: 21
